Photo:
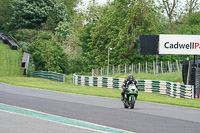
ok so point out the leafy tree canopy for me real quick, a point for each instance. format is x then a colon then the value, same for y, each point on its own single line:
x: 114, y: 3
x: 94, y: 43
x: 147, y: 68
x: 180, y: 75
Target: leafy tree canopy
x: 119, y: 27
x: 31, y: 14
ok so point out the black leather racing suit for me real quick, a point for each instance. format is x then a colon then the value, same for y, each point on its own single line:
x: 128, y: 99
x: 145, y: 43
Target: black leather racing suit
x: 125, y: 86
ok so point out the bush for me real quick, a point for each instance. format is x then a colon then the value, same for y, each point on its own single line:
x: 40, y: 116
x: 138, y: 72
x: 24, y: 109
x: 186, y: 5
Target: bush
x: 77, y: 65
x: 25, y: 35
x: 24, y: 46
x: 48, y: 55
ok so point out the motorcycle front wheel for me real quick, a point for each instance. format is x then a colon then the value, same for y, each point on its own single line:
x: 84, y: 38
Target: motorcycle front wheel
x: 132, y: 102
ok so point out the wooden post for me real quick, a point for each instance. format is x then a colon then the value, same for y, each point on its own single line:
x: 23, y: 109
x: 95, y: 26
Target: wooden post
x: 101, y: 71
x: 107, y: 71
x: 188, y: 75
x: 132, y: 68
x: 146, y: 68
x: 154, y: 72
x: 177, y: 65
x: 97, y: 71
x: 138, y: 67
x: 161, y: 67
x: 113, y: 70
x: 118, y: 69
x: 143, y: 68
x: 125, y: 69
x: 169, y: 67
x: 92, y: 72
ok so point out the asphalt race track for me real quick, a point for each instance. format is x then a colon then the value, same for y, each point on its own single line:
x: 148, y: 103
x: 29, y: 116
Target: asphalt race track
x: 13, y: 123
x: 145, y: 118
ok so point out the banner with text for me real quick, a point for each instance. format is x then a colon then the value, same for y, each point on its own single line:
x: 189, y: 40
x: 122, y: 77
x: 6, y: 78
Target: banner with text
x: 179, y: 44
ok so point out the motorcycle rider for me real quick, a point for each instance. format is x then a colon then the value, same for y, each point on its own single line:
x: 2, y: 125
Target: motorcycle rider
x: 127, y: 82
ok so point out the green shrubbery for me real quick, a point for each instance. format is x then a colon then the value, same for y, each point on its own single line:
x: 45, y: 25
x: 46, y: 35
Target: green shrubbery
x: 48, y: 55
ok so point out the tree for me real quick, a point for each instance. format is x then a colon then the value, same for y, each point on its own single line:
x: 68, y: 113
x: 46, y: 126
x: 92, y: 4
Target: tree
x: 190, y: 24
x: 118, y: 27
x: 71, y: 4
x: 31, y: 14
x: 192, y: 5
x: 5, y: 13
x: 170, y: 8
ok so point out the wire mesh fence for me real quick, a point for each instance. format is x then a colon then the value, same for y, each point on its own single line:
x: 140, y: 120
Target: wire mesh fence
x: 148, y: 67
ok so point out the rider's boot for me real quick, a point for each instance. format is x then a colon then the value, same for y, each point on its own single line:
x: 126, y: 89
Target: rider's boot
x: 122, y: 96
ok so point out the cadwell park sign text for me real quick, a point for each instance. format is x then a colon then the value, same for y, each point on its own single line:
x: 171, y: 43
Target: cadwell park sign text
x: 179, y: 44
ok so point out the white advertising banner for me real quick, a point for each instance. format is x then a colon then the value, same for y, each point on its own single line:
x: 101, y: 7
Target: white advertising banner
x: 179, y: 44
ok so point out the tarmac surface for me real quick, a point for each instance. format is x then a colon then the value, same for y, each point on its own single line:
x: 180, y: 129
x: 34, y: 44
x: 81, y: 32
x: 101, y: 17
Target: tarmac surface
x: 145, y: 118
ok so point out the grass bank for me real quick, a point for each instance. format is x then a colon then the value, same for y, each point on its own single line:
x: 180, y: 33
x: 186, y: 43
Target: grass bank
x: 10, y: 61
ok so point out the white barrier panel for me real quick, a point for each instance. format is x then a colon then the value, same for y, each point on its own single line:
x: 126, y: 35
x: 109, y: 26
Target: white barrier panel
x: 172, y: 89
x: 179, y: 44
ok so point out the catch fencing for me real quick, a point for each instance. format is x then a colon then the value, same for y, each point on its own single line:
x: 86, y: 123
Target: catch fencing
x: 148, y: 67
x: 171, y: 89
x: 49, y: 75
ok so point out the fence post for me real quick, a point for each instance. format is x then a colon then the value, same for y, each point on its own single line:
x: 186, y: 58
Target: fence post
x: 177, y: 65
x: 101, y: 71
x: 113, y: 70
x: 146, y: 67
x: 161, y: 67
x: 154, y: 72
x: 97, y: 72
x: 125, y: 69
x: 132, y: 68
x: 188, y: 75
x: 119, y: 69
x: 169, y: 67
x: 107, y: 71
x: 138, y: 67
x: 92, y: 72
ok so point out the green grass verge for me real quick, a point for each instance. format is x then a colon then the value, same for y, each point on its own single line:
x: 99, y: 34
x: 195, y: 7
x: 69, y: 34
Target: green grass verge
x: 173, y: 77
x: 10, y: 61
x: 68, y: 87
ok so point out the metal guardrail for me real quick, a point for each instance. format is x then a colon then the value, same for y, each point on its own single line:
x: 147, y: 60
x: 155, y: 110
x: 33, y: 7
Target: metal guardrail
x: 8, y: 40
x: 49, y: 75
x: 171, y: 89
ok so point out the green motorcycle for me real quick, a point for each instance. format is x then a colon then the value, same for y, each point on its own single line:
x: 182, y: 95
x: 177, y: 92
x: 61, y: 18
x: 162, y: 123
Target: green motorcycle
x: 130, y: 96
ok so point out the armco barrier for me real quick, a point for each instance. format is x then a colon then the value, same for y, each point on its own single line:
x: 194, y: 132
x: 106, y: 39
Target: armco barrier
x: 8, y: 40
x: 49, y: 75
x: 171, y: 89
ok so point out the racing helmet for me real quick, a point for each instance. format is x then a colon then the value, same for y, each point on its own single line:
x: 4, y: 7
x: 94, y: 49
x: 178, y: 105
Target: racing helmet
x: 130, y: 77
